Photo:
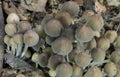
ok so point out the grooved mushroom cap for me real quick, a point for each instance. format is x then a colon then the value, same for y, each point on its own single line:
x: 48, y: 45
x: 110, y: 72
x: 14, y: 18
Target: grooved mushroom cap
x: 71, y: 7
x: 31, y: 38
x: 110, y: 69
x: 62, y: 46
x: 12, y: 18
x: 64, y: 70
x: 82, y: 59
x: 10, y: 29
x: 94, y: 72
x: 53, y: 28
x: 84, y: 34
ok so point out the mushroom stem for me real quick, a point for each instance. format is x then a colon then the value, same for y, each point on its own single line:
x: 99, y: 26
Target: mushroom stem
x: 24, y: 50
x: 67, y: 57
x: 13, y: 49
x: 8, y: 47
x: 19, y: 49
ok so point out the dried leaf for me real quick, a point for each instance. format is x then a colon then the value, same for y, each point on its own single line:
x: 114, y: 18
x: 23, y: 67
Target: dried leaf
x: 17, y: 63
x: 34, y: 5
x: 99, y: 7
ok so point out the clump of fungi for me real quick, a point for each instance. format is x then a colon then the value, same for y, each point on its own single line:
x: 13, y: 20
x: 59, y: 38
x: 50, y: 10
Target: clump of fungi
x: 63, y: 43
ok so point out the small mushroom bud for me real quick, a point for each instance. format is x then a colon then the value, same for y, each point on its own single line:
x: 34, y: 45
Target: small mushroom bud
x: 35, y: 58
x: 30, y: 39
x: 10, y: 29
x: 64, y: 18
x: 71, y: 7
x: 103, y: 43
x: 18, y: 39
x: 64, y: 70
x: 6, y: 41
x: 110, y: 69
x: 24, y: 26
x: 53, y: 28
x: 111, y: 35
x: 13, y: 18
x: 62, y: 46
x: 77, y: 71
x: 94, y: 72
x: 84, y: 34
x: 27, y: 54
x: 82, y: 60
x: 52, y: 73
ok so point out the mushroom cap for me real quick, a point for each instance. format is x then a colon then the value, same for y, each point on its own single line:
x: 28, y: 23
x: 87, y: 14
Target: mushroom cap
x: 94, y: 72
x: 64, y: 70
x: 43, y: 60
x: 103, y: 43
x: 62, y: 46
x: 31, y: 38
x: 98, y: 54
x: 18, y: 38
x: 6, y: 39
x: 77, y: 71
x: 117, y: 42
x: 55, y: 60
x: 64, y: 18
x: 82, y: 59
x: 10, y: 29
x: 24, y: 26
x: 53, y: 28
x: 111, y: 35
x: 110, y: 69
x: 115, y: 57
x: 71, y: 7
x: 96, y: 22
x: 13, y: 18
x: 35, y: 57
x: 84, y: 34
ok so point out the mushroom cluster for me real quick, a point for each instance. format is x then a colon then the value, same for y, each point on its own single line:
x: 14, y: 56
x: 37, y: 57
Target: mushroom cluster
x: 66, y: 47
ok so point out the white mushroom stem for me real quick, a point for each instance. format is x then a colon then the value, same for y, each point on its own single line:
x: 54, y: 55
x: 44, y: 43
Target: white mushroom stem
x: 99, y: 63
x: 13, y: 49
x: 19, y: 49
x: 24, y: 50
